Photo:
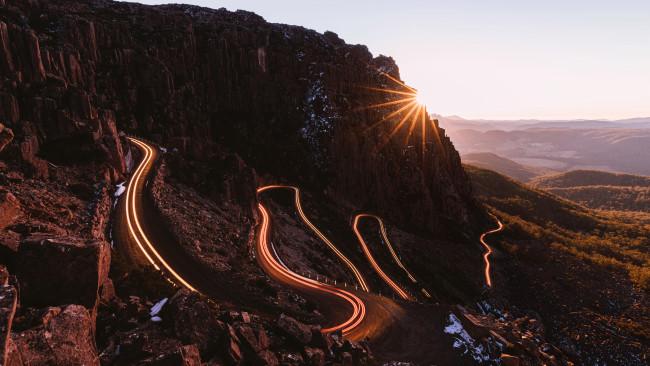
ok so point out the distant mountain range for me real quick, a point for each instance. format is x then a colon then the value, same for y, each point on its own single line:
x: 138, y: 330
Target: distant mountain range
x: 453, y: 123
x: 615, y: 146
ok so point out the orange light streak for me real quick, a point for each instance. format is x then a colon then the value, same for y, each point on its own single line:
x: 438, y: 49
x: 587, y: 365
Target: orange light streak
x: 355, y: 271
x: 403, y: 294
x: 486, y: 255
x: 132, y: 217
x: 358, y: 307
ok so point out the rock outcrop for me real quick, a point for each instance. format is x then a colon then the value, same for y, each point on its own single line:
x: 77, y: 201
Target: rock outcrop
x: 299, y: 332
x: 6, y: 136
x: 64, y: 337
x: 287, y: 100
x: 9, y: 208
x: 8, y: 303
x: 55, y: 271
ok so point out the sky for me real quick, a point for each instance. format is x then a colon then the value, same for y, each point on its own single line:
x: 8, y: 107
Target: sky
x: 494, y: 59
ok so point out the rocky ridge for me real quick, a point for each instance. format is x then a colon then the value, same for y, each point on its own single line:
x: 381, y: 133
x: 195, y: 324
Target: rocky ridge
x: 194, y: 78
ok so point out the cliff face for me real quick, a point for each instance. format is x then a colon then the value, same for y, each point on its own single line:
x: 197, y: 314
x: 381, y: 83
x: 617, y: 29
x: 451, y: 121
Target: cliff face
x: 288, y: 100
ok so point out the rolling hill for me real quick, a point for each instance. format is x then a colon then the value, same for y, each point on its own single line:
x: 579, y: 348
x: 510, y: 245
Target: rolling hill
x: 512, y: 169
x: 552, y: 249
x: 599, y: 190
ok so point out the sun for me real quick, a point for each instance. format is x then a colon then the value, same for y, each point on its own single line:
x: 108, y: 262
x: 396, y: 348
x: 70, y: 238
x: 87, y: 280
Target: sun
x: 406, y: 109
x: 419, y: 99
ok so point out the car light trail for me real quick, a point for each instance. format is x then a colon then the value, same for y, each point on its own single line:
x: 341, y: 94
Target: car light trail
x: 284, y: 274
x: 372, y: 261
x: 132, y: 213
x: 355, y: 271
x: 384, y: 235
x: 486, y: 256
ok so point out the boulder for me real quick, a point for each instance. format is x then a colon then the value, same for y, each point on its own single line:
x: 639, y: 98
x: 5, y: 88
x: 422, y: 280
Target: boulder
x: 6, y: 136
x: 8, y: 303
x: 248, y: 339
x: 321, y: 340
x: 9, y: 208
x: 195, y: 320
x: 314, y: 356
x: 4, y: 276
x: 263, y: 339
x: 28, y: 149
x: 233, y: 350
x: 61, y: 270
x: 296, y: 330
x: 9, y: 243
x: 65, y: 337
x: 267, y: 358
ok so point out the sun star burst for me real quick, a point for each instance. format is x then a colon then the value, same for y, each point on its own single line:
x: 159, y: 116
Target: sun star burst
x: 407, y: 111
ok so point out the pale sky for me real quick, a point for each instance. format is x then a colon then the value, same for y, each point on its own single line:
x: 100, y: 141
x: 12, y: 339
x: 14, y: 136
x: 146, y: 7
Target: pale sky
x: 494, y: 59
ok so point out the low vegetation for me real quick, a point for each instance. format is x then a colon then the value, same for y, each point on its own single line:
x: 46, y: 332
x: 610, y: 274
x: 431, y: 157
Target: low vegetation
x: 585, y: 271
x: 599, y: 190
x: 608, y: 239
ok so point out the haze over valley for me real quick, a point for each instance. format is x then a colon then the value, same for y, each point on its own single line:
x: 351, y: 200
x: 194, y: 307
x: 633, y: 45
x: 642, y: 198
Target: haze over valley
x: 616, y: 146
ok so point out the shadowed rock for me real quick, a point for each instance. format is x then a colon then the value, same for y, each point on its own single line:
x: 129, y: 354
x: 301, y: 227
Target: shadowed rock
x: 64, y: 338
x: 8, y: 303
x: 298, y: 331
x: 61, y: 270
x: 9, y: 208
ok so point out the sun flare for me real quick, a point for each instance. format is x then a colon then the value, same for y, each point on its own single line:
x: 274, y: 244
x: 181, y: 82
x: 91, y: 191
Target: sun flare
x: 419, y: 99
x: 408, y: 111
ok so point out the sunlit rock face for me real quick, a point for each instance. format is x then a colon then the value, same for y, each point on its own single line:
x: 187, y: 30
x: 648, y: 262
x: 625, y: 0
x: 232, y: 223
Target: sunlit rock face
x: 288, y: 100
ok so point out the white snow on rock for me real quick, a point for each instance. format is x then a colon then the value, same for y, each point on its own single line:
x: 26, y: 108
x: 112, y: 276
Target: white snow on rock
x: 320, y: 115
x: 120, y: 189
x: 463, y: 341
x: 155, y: 309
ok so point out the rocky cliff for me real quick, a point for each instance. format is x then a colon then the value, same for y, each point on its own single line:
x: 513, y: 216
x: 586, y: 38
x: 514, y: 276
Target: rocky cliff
x: 286, y: 99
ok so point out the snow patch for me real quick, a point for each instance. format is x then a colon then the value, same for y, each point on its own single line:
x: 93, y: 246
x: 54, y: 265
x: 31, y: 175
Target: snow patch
x: 463, y: 341
x: 120, y: 189
x: 320, y: 116
x: 155, y: 309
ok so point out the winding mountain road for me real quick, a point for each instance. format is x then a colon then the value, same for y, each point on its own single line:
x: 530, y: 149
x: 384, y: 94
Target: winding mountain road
x: 486, y: 255
x: 364, y: 246
x: 396, y: 330
x: 144, y: 239
x: 133, y: 222
x: 301, y: 212
x: 396, y: 259
x: 278, y: 271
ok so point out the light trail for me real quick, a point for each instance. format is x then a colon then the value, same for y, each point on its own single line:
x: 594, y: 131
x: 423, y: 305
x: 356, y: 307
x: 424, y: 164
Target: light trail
x: 486, y: 259
x: 132, y: 214
x: 286, y: 275
x: 353, y: 268
x: 129, y: 194
x: 384, y: 235
x: 403, y: 294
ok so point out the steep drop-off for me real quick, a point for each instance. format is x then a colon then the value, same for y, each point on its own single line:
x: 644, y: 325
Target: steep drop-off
x: 288, y: 100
